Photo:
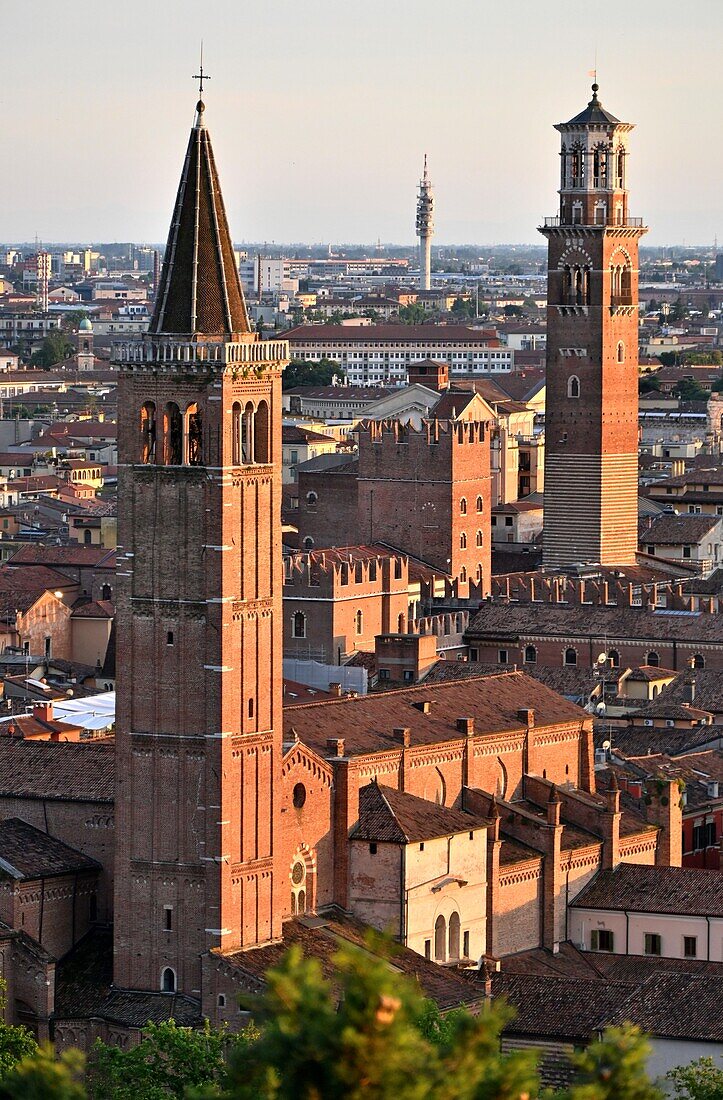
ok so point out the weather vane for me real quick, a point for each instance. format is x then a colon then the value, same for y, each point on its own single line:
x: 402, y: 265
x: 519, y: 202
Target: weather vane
x: 201, y: 76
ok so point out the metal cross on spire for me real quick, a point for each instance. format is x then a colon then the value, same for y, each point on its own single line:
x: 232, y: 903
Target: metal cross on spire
x: 201, y: 75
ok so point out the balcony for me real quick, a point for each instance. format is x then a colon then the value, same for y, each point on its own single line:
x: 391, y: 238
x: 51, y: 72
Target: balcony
x: 173, y: 353
x: 556, y: 222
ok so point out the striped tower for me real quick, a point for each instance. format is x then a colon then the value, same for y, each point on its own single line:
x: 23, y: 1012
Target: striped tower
x: 591, y: 419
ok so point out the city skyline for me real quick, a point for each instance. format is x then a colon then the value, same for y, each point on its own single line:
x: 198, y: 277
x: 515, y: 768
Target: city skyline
x: 317, y: 148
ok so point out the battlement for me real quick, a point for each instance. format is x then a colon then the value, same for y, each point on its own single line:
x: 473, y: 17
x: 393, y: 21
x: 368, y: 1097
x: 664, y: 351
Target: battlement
x: 348, y: 570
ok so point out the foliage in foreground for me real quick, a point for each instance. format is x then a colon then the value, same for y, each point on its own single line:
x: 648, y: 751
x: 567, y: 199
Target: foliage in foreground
x: 368, y: 1035
x: 700, y: 1080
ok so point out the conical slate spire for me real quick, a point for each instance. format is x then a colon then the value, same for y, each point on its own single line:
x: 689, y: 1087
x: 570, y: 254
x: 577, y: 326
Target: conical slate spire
x: 200, y: 291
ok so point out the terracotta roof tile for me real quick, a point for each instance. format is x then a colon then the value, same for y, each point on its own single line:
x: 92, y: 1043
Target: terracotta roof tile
x: 367, y: 723
x: 57, y: 771
x: 636, y: 888
x: 386, y: 814
x: 28, y: 853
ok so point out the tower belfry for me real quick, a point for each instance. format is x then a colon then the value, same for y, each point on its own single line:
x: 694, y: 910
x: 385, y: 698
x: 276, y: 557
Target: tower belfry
x: 198, y: 739
x: 425, y: 228
x: 591, y: 416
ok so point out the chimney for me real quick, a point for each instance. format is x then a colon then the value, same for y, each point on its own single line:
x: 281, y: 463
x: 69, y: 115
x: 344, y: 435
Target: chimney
x: 466, y: 725
x: 425, y: 705
x: 43, y: 711
x: 335, y: 745
x: 554, y: 807
x: 527, y: 716
x: 689, y: 690
x: 335, y: 690
x: 402, y: 734
x: 713, y: 788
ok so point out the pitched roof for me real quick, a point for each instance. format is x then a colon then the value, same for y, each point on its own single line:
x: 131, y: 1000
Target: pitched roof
x: 400, y: 334
x: 28, y: 853
x: 321, y: 937
x: 367, y: 723
x: 200, y: 290
x: 672, y: 530
x: 73, y: 554
x: 386, y: 814
x: 570, y: 621
x: 58, y: 771
x: 688, y: 891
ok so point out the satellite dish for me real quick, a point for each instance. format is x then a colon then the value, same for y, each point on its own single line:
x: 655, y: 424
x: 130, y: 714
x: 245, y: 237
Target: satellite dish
x: 601, y: 708
x: 602, y: 658
x: 606, y: 745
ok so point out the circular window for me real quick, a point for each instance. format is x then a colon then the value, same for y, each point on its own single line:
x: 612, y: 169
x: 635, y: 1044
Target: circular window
x: 299, y: 795
x: 298, y: 874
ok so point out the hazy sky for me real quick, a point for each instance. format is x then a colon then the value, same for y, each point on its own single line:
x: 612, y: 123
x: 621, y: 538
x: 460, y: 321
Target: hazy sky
x: 321, y: 110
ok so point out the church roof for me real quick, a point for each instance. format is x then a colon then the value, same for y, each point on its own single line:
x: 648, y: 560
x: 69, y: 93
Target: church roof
x: 594, y: 113
x: 386, y: 814
x: 200, y: 290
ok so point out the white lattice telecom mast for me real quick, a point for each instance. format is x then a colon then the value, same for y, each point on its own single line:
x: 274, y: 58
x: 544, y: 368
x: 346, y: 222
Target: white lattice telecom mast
x: 425, y: 229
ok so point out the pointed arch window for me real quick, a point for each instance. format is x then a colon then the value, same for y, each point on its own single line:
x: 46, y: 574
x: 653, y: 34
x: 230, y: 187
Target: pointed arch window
x: 168, y: 980
x: 573, y: 386
x: 359, y: 622
x: 194, y: 437
x: 298, y: 625
x: 463, y: 507
x: 463, y: 541
x: 479, y: 538
x: 480, y: 504
x: 262, y: 439
x: 172, y: 435
x: 148, y: 432
x: 621, y: 352
x: 653, y: 659
x: 247, y: 435
x: 236, y: 432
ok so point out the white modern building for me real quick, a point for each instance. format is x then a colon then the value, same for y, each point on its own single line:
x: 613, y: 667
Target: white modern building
x: 383, y: 354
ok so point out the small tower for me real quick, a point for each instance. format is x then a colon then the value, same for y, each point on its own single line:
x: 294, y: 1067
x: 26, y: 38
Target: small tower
x: 425, y: 229
x: 84, y: 355
x: 591, y: 418
x: 198, y: 734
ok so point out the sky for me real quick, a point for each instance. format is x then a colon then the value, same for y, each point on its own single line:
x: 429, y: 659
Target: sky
x: 320, y: 112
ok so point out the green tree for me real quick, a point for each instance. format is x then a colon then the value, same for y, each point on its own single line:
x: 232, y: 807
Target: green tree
x: 301, y: 372
x: 689, y: 390
x: 462, y: 308
x: 372, y: 1038
x: 649, y: 384
x: 16, y: 1043
x: 55, y: 347
x: 167, y: 1062
x: 43, y: 1076
x: 700, y: 1080
x: 414, y: 314
x: 613, y: 1068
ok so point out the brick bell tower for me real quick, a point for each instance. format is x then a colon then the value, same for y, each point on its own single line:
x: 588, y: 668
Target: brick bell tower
x: 591, y: 417
x: 198, y: 736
